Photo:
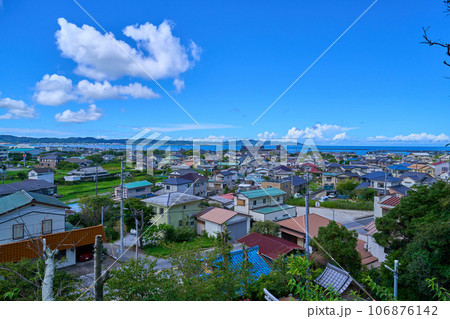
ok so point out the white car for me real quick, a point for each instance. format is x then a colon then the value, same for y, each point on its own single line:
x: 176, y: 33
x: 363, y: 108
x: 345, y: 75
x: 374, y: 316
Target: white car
x: 323, y: 199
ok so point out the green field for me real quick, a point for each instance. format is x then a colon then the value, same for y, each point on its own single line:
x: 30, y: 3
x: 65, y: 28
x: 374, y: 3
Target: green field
x: 75, y: 191
x: 164, y: 251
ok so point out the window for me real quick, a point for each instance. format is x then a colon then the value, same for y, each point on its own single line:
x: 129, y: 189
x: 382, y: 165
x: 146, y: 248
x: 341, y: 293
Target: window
x: 18, y: 231
x: 161, y: 210
x: 240, y: 202
x: 254, y: 202
x: 168, y: 187
x: 278, y: 198
x: 46, y: 226
x: 264, y: 201
x: 180, y: 223
x: 184, y: 206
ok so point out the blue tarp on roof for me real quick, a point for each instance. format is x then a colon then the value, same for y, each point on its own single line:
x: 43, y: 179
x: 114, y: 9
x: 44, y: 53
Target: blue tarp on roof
x: 260, y: 266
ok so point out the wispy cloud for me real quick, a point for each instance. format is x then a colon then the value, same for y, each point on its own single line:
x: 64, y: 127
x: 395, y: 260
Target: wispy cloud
x: 186, y: 127
x: 413, y: 137
x: 34, y: 131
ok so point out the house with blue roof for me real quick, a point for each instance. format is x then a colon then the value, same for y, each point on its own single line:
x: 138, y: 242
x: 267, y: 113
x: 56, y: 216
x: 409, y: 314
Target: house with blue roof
x: 259, y: 265
x: 264, y: 204
x: 398, y: 169
x: 140, y: 189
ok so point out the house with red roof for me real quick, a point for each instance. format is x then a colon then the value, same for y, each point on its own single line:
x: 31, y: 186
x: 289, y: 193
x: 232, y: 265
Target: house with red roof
x: 270, y: 247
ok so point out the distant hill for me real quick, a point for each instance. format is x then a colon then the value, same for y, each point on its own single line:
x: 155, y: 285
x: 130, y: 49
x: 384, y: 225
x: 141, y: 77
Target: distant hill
x: 11, y: 139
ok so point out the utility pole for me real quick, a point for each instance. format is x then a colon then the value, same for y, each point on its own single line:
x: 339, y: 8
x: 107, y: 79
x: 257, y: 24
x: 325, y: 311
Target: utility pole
x: 307, y: 215
x: 395, y: 271
x: 96, y: 179
x: 121, y: 211
x: 137, y: 238
x: 102, y: 215
x: 385, y: 179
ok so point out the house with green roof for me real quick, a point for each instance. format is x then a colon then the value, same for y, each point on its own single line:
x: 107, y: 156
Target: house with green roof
x: 264, y: 204
x: 140, y: 189
x: 27, y: 214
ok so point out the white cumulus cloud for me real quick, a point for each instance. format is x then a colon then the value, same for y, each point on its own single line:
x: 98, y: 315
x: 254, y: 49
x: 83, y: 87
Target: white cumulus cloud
x: 16, y: 109
x: 179, y: 84
x: 54, y: 90
x: 340, y: 136
x: 58, y: 90
x: 267, y: 135
x: 413, y: 137
x: 319, y: 131
x: 91, y: 114
x: 98, y: 57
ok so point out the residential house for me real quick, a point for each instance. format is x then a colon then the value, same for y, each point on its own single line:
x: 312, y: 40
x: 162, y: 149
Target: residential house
x: 422, y: 168
x: 382, y: 205
x: 380, y: 181
x: 222, y: 180
x: 410, y: 179
x: 281, y: 172
x: 225, y: 200
x: 213, y: 220
x: 271, y: 247
x: 264, y: 204
x: 181, y: 185
x: 29, y: 185
x: 439, y: 168
x: 82, y: 162
x: 86, y: 173
x: 42, y: 174
x: 293, y: 230
x: 284, y: 184
x: 176, y: 209
x: 30, y: 217
x: 50, y: 161
x: 398, y: 169
x: 140, y: 189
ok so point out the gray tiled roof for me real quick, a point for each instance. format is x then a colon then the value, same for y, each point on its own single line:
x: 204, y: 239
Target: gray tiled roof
x: 172, y: 199
x: 334, y: 277
x: 27, y: 185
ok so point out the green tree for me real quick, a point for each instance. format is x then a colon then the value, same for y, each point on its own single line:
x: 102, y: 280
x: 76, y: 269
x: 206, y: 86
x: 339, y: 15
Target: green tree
x: 91, y: 210
x: 340, y: 243
x: 65, y: 165
x: 266, y: 228
x: 22, y: 175
x: 95, y: 158
x: 138, y: 210
x: 23, y: 281
x: 417, y: 233
x: 347, y: 186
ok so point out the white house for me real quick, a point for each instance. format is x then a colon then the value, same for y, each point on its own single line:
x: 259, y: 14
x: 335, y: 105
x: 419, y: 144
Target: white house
x: 180, y: 185
x: 42, y: 174
x: 26, y: 218
x: 264, y: 204
x: 213, y: 220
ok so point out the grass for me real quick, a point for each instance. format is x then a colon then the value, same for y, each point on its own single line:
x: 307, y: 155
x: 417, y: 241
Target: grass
x: 78, y: 190
x: 164, y: 250
x: 337, y: 204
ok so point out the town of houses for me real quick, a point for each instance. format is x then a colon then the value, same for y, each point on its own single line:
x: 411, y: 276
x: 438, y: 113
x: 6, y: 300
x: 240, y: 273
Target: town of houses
x: 208, y: 194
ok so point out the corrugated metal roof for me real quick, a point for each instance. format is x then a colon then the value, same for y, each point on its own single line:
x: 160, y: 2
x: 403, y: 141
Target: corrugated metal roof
x: 172, y: 199
x: 272, y: 209
x: 21, y: 198
x: 263, y: 192
x: 137, y: 184
x: 260, y: 266
x: 29, y: 249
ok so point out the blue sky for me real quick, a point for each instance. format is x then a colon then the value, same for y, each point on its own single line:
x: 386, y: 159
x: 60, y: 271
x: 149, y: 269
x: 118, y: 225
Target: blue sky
x: 225, y: 63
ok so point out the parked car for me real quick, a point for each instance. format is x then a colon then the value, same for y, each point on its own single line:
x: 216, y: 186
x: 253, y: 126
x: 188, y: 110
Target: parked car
x: 85, y: 257
x: 323, y: 199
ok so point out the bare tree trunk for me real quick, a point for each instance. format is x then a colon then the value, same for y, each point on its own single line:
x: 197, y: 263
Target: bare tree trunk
x: 47, y: 283
x: 99, y: 278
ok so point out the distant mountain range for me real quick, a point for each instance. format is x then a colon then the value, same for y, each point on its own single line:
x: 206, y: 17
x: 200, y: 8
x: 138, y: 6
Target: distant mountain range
x: 11, y: 139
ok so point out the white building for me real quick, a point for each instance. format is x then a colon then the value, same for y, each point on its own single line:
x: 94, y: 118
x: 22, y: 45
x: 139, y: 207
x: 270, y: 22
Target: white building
x: 264, y: 204
x: 42, y: 174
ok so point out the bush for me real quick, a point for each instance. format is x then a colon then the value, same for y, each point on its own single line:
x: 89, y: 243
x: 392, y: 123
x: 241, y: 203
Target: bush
x: 111, y: 234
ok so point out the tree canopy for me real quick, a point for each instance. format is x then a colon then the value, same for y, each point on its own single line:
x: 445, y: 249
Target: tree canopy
x: 340, y: 243
x: 266, y: 228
